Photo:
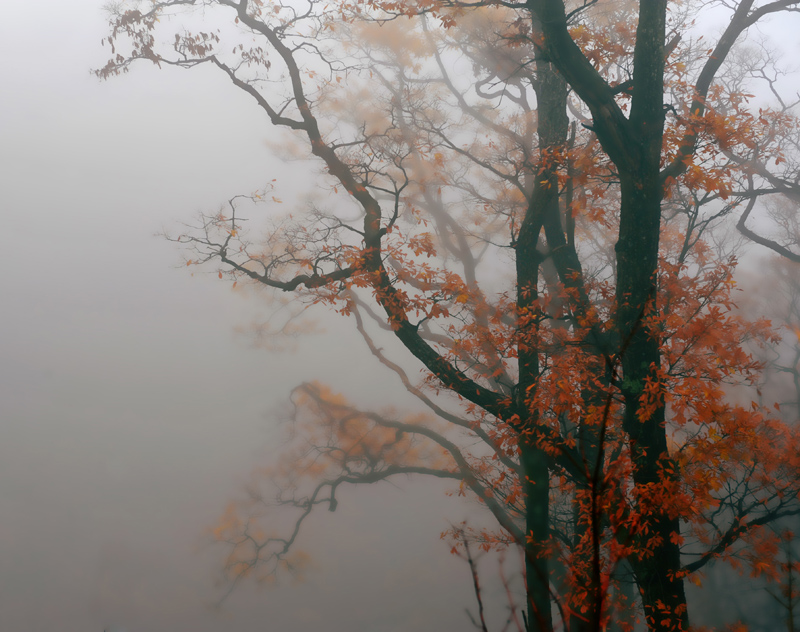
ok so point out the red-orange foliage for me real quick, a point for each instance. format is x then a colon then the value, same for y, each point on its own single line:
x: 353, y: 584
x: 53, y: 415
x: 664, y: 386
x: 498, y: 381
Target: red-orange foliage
x: 595, y: 379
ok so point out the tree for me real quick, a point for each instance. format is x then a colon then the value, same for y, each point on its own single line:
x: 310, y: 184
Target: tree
x: 594, y: 147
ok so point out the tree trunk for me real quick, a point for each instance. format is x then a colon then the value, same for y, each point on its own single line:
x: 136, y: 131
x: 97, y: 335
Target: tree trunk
x: 637, y: 251
x: 536, y: 475
x: 658, y: 569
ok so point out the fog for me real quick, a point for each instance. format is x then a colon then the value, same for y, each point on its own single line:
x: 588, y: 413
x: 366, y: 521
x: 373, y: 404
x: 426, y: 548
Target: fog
x: 132, y: 406
x: 131, y: 410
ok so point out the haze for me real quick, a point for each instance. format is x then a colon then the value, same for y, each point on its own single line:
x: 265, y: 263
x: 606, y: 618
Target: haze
x: 131, y: 412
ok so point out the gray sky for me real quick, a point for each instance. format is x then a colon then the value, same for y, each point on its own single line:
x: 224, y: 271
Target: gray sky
x: 130, y: 412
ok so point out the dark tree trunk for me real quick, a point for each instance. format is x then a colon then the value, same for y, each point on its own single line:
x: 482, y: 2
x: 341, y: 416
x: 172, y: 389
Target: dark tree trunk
x: 543, y: 209
x: 658, y: 574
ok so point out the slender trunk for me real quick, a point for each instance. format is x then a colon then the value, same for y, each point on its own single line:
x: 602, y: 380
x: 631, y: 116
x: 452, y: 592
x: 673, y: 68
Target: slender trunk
x: 551, y: 95
x: 537, y: 529
x: 536, y: 477
x: 588, y: 519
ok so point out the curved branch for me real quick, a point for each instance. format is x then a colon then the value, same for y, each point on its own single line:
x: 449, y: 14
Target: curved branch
x: 433, y: 406
x: 741, y: 20
x: 741, y: 226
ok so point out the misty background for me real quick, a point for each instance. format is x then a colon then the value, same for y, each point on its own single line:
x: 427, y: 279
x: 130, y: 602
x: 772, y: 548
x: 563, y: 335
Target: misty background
x: 130, y: 410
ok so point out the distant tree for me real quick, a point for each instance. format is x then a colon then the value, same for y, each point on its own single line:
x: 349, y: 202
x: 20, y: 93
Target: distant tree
x: 525, y: 196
